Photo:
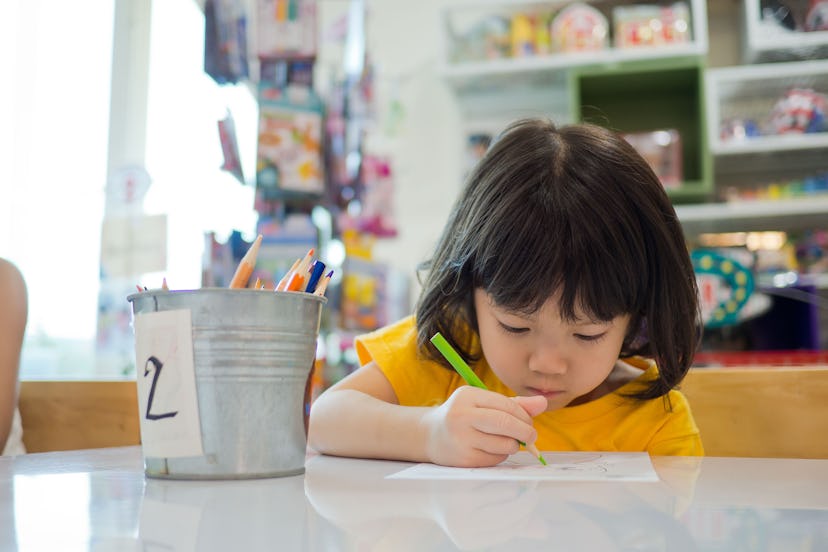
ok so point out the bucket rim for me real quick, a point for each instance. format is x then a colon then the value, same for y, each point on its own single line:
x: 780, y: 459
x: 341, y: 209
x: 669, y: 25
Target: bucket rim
x: 223, y: 291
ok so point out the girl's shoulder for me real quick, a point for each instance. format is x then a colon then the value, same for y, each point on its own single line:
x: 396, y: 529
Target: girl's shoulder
x: 417, y: 381
x: 394, y: 339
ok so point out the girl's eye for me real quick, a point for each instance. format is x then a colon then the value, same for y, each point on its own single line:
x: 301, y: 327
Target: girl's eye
x: 512, y: 329
x: 591, y: 338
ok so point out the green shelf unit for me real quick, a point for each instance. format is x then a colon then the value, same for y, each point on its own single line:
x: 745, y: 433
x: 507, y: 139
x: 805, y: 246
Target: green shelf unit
x: 652, y: 95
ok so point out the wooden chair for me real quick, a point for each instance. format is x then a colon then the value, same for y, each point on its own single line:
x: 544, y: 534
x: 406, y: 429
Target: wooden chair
x: 761, y: 412
x: 749, y: 412
x: 72, y: 415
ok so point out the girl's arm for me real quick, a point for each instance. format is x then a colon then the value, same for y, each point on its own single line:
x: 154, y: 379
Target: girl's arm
x: 13, y: 314
x: 360, y: 417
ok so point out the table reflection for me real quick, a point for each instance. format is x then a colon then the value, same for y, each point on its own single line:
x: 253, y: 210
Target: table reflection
x: 502, y: 515
x: 101, y: 500
x: 224, y: 515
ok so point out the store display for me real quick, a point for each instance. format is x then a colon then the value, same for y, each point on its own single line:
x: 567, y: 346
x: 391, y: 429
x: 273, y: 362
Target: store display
x: 289, y: 156
x: 777, y: 14
x: 230, y: 147
x: 662, y: 150
x: 651, y: 25
x: 286, y: 29
x: 725, y: 285
x: 817, y: 16
x: 488, y: 39
x: 579, y: 27
x: 225, y: 41
x: 799, y: 110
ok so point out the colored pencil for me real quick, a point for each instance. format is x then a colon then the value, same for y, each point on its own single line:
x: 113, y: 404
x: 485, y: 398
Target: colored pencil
x: 283, y: 282
x: 323, y: 285
x: 246, y: 266
x: 471, y: 378
x: 315, y: 274
x: 296, y: 282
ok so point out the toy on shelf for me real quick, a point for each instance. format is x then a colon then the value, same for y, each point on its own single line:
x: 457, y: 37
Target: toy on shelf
x: 488, y: 39
x: 735, y: 128
x: 579, y: 28
x: 662, y: 150
x: 817, y: 17
x: 651, y: 25
x: 800, y: 110
x: 522, y: 35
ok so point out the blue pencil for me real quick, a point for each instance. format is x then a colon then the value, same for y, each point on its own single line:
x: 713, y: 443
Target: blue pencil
x: 316, y: 272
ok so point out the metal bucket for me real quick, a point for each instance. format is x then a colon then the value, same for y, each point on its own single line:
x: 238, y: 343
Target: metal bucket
x: 253, y: 352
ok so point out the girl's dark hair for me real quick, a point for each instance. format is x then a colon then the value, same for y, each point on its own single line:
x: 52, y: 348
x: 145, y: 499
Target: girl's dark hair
x: 575, y: 209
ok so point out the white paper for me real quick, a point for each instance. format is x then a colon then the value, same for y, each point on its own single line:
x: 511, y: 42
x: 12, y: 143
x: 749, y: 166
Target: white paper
x: 165, y: 373
x: 561, y: 466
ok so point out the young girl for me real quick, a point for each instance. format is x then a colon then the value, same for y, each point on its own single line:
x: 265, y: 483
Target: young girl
x: 562, y: 261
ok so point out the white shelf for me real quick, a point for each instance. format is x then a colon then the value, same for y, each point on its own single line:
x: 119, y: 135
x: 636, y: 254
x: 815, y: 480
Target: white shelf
x: 782, y: 214
x: 470, y: 73
x: 764, y: 43
x: 750, y: 92
x: 773, y: 144
x: 556, y: 62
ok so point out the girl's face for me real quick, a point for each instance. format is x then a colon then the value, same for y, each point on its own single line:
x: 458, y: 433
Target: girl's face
x: 541, y: 354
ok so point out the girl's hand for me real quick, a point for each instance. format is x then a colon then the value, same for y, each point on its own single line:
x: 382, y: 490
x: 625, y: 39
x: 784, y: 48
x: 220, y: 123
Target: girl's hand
x: 476, y: 427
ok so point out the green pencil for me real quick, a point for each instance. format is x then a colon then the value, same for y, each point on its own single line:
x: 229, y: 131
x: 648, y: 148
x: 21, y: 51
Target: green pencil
x: 471, y: 378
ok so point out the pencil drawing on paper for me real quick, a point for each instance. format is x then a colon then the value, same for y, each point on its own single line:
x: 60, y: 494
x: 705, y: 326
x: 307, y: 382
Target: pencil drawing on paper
x: 562, y: 466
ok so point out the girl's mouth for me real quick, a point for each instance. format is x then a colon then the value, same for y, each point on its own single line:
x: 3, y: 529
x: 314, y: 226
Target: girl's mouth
x: 549, y: 394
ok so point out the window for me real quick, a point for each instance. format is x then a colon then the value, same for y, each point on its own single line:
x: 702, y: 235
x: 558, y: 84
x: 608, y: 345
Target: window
x: 54, y: 155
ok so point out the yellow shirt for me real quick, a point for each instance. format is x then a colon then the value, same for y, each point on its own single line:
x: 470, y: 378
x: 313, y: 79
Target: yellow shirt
x: 610, y: 423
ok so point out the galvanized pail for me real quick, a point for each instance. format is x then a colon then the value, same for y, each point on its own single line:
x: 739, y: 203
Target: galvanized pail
x: 252, y: 354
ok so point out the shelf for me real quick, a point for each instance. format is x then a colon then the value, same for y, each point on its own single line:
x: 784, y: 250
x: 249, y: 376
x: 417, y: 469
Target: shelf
x: 772, y: 144
x: 467, y: 71
x: 787, y: 279
x: 765, y: 43
x: 749, y: 93
x: 668, y: 95
x: 459, y: 19
x: 783, y: 214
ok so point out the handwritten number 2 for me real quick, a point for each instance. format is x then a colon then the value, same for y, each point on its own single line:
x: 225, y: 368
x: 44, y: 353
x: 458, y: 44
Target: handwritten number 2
x: 157, y: 372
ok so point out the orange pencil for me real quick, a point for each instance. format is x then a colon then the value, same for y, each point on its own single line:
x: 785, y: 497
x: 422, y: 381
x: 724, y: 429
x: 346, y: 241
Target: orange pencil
x: 295, y: 282
x: 300, y: 267
x: 283, y: 282
x: 258, y: 283
x: 246, y: 266
x: 303, y: 267
x: 164, y: 285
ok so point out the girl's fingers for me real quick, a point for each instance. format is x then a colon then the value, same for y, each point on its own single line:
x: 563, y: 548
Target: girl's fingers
x: 498, y: 423
x: 489, y: 399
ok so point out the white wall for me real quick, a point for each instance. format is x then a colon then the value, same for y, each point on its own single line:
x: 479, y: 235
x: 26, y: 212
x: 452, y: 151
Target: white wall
x: 426, y: 148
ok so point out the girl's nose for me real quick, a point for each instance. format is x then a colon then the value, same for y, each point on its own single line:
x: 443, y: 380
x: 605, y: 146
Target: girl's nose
x: 548, y: 359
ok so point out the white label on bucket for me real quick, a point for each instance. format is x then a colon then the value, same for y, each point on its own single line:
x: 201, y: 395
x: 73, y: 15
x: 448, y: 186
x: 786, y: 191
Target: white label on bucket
x: 167, y: 399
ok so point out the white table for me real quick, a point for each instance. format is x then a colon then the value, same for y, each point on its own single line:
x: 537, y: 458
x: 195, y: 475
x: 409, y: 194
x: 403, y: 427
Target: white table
x: 101, y: 500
